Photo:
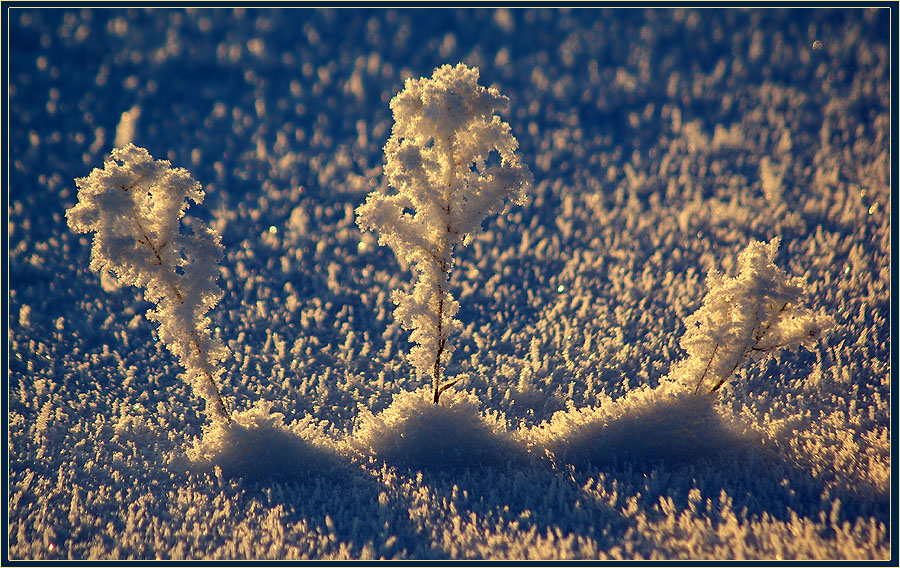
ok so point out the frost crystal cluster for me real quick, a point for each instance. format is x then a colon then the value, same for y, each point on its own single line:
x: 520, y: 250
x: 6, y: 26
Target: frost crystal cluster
x: 452, y: 162
x: 753, y: 314
x: 134, y: 206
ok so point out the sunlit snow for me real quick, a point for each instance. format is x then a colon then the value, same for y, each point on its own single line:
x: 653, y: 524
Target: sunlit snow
x: 678, y: 158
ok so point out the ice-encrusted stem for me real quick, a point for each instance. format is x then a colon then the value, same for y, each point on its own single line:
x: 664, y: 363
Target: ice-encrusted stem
x: 133, y: 206
x: 452, y: 162
x: 751, y: 315
x: 443, y: 267
x: 219, y: 404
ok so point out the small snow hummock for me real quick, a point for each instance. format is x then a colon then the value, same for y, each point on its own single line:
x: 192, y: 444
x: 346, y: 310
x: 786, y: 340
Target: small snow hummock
x: 416, y: 433
x: 258, y: 444
x: 669, y: 424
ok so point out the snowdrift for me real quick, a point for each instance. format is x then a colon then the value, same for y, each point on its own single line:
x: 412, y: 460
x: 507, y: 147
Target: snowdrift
x: 669, y: 425
x: 259, y: 445
x: 415, y: 432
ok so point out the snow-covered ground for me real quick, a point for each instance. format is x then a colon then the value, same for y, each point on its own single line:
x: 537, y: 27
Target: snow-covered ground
x: 662, y: 142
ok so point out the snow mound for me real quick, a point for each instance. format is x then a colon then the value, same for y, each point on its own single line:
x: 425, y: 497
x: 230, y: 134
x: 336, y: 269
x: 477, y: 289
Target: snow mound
x: 258, y: 445
x: 668, y: 424
x: 415, y: 432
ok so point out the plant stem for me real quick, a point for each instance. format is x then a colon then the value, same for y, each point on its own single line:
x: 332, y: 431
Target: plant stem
x: 758, y: 334
x: 219, y: 404
x: 726, y: 377
x: 708, y: 363
x: 220, y: 408
x: 440, y: 347
x: 450, y: 177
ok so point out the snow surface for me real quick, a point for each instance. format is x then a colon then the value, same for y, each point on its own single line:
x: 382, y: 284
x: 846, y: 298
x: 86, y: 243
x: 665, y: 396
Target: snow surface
x: 662, y: 142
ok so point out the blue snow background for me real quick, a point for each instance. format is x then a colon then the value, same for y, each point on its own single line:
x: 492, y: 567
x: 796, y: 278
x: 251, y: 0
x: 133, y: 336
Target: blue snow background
x: 661, y: 141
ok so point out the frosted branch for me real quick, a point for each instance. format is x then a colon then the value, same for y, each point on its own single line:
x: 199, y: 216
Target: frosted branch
x: 752, y: 314
x: 132, y: 204
x: 442, y: 126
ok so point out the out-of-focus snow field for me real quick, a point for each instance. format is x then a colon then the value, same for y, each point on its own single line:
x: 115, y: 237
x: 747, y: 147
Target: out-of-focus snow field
x: 662, y: 142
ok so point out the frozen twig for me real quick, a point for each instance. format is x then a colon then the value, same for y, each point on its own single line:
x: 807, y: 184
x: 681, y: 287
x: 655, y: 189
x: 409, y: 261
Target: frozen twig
x: 134, y: 206
x: 750, y: 315
x: 452, y: 162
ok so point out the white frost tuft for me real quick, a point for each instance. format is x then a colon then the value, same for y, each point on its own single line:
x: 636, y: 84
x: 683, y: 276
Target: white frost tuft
x: 134, y: 206
x: 453, y: 162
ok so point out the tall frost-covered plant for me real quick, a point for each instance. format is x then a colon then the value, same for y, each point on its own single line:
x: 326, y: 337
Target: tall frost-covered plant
x: 452, y: 162
x: 754, y: 314
x: 134, y: 206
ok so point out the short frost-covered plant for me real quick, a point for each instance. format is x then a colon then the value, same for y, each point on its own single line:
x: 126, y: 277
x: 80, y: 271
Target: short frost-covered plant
x: 754, y: 314
x: 452, y: 162
x: 134, y: 206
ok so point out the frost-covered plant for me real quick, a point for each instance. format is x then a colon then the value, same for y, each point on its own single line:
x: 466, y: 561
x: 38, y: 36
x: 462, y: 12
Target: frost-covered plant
x: 452, y: 162
x: 754, y: 314
x: 134, y: 206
